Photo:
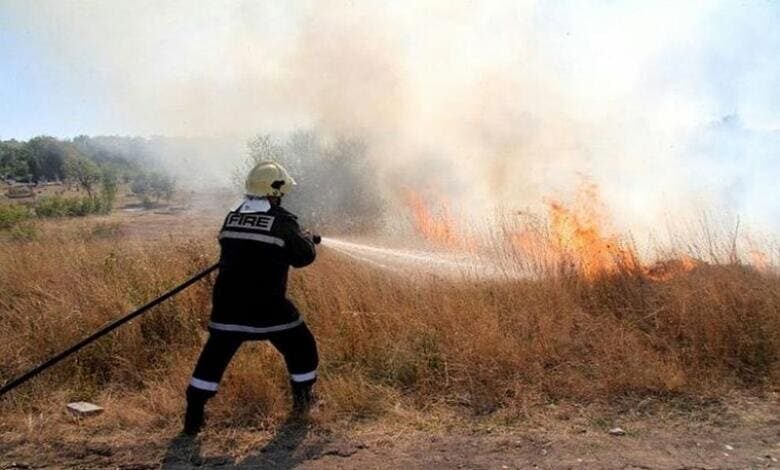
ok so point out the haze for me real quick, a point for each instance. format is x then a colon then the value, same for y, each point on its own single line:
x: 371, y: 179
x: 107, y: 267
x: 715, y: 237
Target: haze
x: 670, y: 107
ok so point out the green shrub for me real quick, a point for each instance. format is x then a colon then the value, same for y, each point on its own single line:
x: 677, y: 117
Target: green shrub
x: 12, y: 214
x: 50, y: 206
x: 82, y: 207
x: 58, y: 206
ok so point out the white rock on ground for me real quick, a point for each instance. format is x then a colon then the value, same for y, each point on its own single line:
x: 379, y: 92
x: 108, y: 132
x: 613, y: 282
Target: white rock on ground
x: 83, y: 408
x: 617, y: 432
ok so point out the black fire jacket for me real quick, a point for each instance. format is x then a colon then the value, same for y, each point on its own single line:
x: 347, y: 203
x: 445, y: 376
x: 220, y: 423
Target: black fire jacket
x: 258, y: 249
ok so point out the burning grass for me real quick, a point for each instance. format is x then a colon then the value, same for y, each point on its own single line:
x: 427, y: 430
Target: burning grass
x: 386, y: 340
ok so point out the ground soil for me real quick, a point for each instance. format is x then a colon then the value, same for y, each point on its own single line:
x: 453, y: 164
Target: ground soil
x: 741, y: 434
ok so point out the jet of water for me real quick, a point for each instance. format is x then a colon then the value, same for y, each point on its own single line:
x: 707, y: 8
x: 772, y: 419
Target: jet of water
x: 403, y: 261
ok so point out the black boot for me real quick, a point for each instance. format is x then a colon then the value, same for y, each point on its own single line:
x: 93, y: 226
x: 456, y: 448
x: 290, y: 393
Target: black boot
x: 194, y: 418
x: 303, y: 398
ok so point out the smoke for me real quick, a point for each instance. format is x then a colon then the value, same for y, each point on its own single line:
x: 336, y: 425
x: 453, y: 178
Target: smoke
x: 493, y: 104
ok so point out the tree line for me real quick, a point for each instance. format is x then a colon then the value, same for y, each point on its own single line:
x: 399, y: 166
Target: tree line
x: 45, y: 158
x: 95, y: 164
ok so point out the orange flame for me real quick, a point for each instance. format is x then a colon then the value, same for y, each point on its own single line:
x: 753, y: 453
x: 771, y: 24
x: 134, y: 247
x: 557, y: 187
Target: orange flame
x: 665, y: 270
x: 579, y: 234
x: 756, y: 257
x: 438, y: 228
x: 580, y: 239
x: 759, y: 260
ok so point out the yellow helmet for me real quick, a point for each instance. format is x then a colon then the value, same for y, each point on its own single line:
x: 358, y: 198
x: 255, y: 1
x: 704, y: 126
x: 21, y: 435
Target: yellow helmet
x: 268, y: 179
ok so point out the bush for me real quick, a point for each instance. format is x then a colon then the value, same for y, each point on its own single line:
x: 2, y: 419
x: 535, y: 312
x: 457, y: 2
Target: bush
x: 153, y: 185
x: 12, y: 214
x: 335, y: 178
x: 58, y: 206
x: 51, y: 206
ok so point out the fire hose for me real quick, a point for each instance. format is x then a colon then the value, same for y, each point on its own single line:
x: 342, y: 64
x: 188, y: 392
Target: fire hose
x: 15, y: 382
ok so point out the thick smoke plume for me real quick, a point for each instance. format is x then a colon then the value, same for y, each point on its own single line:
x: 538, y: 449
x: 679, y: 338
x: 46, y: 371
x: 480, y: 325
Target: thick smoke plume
x: 490, y: 104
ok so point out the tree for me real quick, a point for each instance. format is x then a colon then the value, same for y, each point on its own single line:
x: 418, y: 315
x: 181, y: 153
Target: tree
x: 161, y: 186
x: 337, y: 183
x: 47, y: 157
x: 262, y: 148
x: 14, y: 160
x: 84, y: 173
x: 153, y: 185
x: 108, y: 181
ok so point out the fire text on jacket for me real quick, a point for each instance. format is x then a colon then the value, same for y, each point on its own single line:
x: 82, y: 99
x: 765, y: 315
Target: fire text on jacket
x: 238, y: 220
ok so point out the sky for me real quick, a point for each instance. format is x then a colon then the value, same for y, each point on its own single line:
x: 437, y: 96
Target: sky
x: 663, y: 104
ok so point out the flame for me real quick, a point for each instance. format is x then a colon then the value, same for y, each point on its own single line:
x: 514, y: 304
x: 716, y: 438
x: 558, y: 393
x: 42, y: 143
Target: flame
x: 437, y: 227
x: 759, y: 260
x: 667, y: 269
x: 757, y: 257
x: 579, y: 238
x: 579, y: 234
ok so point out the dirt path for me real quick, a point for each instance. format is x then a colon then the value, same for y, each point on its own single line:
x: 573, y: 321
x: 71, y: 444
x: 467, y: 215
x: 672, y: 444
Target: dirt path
x: 749, y: 440
x: 501, y: 451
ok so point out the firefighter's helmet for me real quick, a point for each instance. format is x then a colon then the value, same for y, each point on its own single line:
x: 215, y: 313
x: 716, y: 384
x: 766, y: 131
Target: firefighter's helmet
x: 268, y: 179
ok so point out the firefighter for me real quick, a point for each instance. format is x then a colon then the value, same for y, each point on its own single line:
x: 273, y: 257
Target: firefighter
x: 259, y: 241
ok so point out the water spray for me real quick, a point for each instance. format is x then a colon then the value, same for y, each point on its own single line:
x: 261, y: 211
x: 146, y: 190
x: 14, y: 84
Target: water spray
x: 451, y: 264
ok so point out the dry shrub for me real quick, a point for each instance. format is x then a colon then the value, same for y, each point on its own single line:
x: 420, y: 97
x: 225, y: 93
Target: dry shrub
x: 383, y: 338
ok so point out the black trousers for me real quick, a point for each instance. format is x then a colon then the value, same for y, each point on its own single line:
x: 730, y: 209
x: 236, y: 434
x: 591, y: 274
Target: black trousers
x: 296, y: 345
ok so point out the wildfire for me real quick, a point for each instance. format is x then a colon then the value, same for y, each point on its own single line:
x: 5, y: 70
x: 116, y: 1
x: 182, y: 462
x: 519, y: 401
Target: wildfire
x: 579, y: 238
x: 437, y: 227
x: 579, y: 235
x: 665, y: 270
x: 757, y: 258
x: 576, y: 236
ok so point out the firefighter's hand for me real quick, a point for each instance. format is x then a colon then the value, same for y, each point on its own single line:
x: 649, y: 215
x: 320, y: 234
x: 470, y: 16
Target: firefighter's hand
x: 316, y: 239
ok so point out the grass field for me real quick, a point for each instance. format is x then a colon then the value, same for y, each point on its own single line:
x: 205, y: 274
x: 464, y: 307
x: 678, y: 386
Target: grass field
x: 477, y: 346
x: 410, y: 346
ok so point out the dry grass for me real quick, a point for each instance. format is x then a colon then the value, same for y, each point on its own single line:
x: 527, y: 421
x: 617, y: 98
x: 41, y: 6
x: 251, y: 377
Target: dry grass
x: 384, y: 339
